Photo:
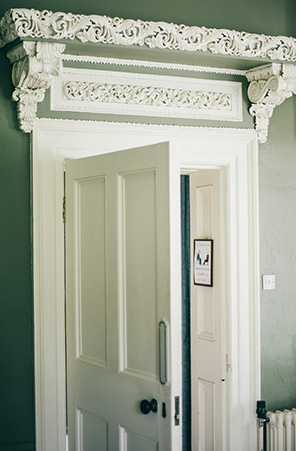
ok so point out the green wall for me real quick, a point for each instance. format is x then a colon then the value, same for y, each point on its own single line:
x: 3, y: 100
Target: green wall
x: 277, y: 212
x: 277, y: 173
x: 16, y: 328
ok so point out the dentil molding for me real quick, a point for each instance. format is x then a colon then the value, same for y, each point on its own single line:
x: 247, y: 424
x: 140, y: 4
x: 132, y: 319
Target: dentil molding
x: 269, y: 86
x: 30, y: 23
x: 34, y: 66
x: 153, y: 64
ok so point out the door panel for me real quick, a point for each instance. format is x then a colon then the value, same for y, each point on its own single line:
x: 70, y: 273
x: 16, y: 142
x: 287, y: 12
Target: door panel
x: 206, y: 415
x: 90, y: 292
x: 135, y: 442
x: 119, y: 251
x: 92, y: 430
x: 139, y: 285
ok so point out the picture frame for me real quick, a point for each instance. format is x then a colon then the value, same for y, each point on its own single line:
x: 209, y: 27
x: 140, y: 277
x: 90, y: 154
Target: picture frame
x: 203, y: 262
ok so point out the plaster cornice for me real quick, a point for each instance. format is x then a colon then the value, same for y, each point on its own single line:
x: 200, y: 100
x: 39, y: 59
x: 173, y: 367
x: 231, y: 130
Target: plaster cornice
x: 29, y: 23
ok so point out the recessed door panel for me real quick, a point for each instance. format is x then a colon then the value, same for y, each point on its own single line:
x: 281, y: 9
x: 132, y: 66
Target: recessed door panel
x: 92, y: 432
x: 130, y: 441
x: 206, y: 415
x: 204, y: 210
x: 139, y: 287
x: 205, y: 314
x: 90, y: 211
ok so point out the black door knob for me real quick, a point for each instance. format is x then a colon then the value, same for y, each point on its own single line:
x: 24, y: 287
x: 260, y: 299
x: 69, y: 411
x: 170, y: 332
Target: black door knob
x: 146, y: 406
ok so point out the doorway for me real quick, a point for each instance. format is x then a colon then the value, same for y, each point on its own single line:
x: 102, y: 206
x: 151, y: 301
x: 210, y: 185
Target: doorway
x: 235, y: 153
x: 203, y: 186
x: 204, y: 373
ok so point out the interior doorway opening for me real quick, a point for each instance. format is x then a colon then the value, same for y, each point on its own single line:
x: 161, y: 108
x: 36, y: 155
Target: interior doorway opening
x: 204, y: 374
x: 187, y: 281
x: 235, y: 153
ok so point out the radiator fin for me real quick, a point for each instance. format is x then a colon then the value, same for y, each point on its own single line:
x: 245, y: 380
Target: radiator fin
x: 281, y: 430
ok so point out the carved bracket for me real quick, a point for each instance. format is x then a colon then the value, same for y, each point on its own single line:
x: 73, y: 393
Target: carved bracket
x: 34, y: 66
x: 269, y: 86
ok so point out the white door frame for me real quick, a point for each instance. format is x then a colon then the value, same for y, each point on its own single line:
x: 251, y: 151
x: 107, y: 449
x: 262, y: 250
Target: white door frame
x: 234, y: 151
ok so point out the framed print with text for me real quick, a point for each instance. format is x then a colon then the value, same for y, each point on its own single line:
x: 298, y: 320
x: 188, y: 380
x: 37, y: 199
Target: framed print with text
x: 203, y: 262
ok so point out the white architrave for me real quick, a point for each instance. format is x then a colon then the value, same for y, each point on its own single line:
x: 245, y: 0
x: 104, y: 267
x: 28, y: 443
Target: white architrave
x: 235, y: 153
x: 269, y: 86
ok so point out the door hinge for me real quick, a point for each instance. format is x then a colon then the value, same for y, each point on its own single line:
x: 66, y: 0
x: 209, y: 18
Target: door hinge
x: 228, y: 364
x: 177, y: 414
x: 64, y: 210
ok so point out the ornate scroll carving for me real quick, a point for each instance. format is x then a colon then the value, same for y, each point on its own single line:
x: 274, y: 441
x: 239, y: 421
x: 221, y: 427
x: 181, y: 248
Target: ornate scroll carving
x: 149, y: 95
x: 144, y: 94
x: 45, y: 24
x: 34, y: 65
x: 269, y: 86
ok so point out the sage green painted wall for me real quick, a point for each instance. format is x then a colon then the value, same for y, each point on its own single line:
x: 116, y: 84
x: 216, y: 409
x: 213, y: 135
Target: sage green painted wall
x: 277, y: 173
x: 16, y: 328
x: 277, y: 212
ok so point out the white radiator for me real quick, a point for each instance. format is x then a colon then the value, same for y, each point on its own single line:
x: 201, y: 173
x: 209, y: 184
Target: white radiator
x: 281, y: 430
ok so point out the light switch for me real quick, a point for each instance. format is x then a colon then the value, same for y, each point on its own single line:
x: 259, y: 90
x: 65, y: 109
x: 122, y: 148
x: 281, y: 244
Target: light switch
x: 268, y: 282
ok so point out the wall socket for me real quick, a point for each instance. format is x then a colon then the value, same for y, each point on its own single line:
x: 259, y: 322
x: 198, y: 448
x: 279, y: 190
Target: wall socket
x: 268, y: 282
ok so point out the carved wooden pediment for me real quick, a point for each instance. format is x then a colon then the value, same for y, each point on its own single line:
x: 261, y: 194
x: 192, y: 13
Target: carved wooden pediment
x: 38, y: 59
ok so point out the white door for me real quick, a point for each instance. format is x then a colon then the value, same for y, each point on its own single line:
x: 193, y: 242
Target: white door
x: 208, y: 377
x: 123, y: 300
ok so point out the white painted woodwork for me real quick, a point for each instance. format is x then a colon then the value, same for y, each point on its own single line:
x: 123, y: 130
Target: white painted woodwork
x: 102, y: 91
x: 91, y: 430
x: 234, y: 152
x: 206, y: 317
x: 132, y: 441
x: 138, y: 252
x: 204, y: 424
x: 118, y: 264
x: 90, y: 295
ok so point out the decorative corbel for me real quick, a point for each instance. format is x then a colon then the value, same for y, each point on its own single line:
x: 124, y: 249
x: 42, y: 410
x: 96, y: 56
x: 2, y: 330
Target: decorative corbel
x: 269, y: 86
x: 34, y: 66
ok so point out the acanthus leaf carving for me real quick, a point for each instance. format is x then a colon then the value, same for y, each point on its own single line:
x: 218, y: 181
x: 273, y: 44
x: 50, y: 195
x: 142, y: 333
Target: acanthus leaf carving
x: 27, y: 106
x: 34, y: 66
x: 269, y: 86
x: 146, y: 95
x: 45, y: 24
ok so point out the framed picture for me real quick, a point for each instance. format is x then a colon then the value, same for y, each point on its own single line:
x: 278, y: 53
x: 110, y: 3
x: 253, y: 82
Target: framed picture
x: 203, y: 262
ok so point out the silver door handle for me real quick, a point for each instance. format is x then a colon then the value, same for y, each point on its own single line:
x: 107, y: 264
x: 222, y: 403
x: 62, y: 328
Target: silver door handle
x: 163, y: 352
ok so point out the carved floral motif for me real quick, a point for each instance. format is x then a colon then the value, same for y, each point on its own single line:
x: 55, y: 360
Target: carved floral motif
x: 45, y: 24
x: 150, y: 95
